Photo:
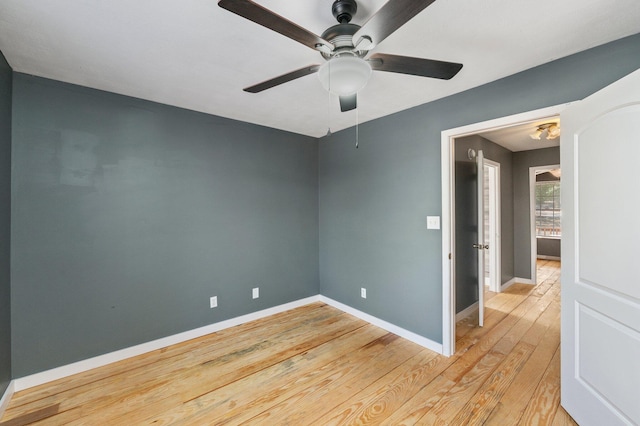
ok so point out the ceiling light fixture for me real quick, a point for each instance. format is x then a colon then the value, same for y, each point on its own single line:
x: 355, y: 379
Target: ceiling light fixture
x: 345, y: 74
x: 552, y: 130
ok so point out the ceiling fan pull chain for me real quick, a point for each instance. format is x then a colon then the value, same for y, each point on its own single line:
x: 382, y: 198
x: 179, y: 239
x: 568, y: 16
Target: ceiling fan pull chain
x: 357, y: 132
x: 329, y: 107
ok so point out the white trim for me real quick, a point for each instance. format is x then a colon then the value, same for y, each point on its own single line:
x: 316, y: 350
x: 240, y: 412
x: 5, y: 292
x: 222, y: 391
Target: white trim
x: 122, y: 354
x: 515, y: 280
x: 546, y: 257
x: 119, y: 355
x: 495, y: 252
x: 467, y: 311
x: 532, y: 215
x: 448, y: 207
x: 508, y: 284
x: 6, y: 397
x: 405, y: 334
x: 448, y: 244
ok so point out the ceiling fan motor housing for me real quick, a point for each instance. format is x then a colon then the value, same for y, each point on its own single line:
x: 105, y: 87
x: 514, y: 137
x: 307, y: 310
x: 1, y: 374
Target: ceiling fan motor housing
x: 341, y: 35
x: 343, y: 10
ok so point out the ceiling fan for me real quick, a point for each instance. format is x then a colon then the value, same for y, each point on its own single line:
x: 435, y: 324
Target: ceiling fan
x: 345, y: 46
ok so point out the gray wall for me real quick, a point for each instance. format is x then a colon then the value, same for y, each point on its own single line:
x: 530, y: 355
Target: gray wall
x: 467, y: 290
x: 522, y: 160
x: 549, y: 247
x: 374, y: 200
x: 129, y: 215
x: 5, y: 223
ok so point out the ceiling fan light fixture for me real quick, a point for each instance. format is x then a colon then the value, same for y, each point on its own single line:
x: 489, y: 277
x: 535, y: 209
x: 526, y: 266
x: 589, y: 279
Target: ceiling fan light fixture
x: 344, y: 75
x: 536, y: 135
x: 552, y: 130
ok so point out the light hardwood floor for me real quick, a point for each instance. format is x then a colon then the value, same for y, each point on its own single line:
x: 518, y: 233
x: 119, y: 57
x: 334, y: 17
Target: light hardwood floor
x: 318, y: 366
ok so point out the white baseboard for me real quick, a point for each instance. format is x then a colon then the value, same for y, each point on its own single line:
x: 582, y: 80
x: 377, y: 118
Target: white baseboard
x: 101, y: 360
x: 466, y: 312
x: 514, y: 280
x: 545, y: 257
x: 508, y: 284
x: 406, y: 334
x: 6, y: 397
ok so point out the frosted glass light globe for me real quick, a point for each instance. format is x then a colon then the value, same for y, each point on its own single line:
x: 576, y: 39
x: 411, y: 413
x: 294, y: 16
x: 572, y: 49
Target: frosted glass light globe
x: 344, y: 75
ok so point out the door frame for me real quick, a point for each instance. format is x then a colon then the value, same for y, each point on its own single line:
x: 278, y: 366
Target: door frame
x: 448, y: 207
x: 533, y: 171
x: 495, y: 244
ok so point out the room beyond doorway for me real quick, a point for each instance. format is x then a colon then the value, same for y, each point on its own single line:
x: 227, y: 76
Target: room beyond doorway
x: 516, y: 248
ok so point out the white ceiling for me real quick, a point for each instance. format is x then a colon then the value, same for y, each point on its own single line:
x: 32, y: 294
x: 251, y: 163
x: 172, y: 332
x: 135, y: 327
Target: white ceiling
x: 516, y: 138
x: 195, y: 55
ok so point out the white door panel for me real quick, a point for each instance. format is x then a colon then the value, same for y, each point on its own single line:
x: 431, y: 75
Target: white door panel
x: 599, y: 225
x: 600, y: 151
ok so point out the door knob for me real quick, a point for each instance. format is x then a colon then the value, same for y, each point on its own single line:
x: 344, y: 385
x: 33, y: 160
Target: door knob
x: 486, y: 247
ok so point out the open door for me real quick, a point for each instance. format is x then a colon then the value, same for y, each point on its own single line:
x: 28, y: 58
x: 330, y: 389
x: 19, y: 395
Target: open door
x: 600, y: 346
x: 469, y: 215
x: 480, y: 244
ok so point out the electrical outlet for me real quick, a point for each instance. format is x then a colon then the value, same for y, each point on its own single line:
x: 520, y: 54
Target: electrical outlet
x: 213, y: 301
x: 363, y: 293
x: 255, y: 293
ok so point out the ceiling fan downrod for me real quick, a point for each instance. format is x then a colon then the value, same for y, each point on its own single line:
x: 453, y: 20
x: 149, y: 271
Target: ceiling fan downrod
x: 343, y: 10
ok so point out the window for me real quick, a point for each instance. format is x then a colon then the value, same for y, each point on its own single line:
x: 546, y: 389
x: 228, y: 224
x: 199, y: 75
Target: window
x: 548, y: 213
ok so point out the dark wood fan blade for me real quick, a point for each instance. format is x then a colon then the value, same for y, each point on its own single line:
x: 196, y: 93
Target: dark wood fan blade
x: 348, y: 102
x: 414, y: 66
x: 282, y: 79
x: 390, y: 17
x: 260, y: 15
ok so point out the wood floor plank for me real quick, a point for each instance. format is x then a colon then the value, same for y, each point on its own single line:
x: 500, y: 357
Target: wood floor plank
x: 316, y: 402
x: 447, y: 408
x: 546, y: 398
x: 562, y: 418
x: 479, y: 406
x: 316, y: 370
x: 191, y: 348
x: 423, y: 401
x: 517, y: 397
x: 376, y: 402
x: 318, y: 365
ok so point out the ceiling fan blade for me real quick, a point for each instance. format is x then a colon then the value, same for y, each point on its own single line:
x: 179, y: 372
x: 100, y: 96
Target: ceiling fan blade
x: 414, y: 66
x: 390, y: 17
x: 282, y: 79
x: 263, y: 16
x: 348, y: 102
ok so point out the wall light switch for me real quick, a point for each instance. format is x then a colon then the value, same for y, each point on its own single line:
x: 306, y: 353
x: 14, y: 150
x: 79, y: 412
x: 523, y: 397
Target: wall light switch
x: 433, y: 222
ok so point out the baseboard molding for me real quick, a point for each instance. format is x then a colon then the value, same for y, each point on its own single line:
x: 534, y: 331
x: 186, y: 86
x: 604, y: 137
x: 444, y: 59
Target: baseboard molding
x: 546, y: 257
x: 466, y: 312
x: 101, y: 360
x: 514, y: 280
x: 6, y: 397
x: 406, y: 334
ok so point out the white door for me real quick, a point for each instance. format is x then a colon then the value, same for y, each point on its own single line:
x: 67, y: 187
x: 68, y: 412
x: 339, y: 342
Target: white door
x: 480, y: 245
x: 600, y: 154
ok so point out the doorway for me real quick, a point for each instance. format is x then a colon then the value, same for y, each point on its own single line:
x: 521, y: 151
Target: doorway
x: 544, y: 214
x: 449, y: 208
